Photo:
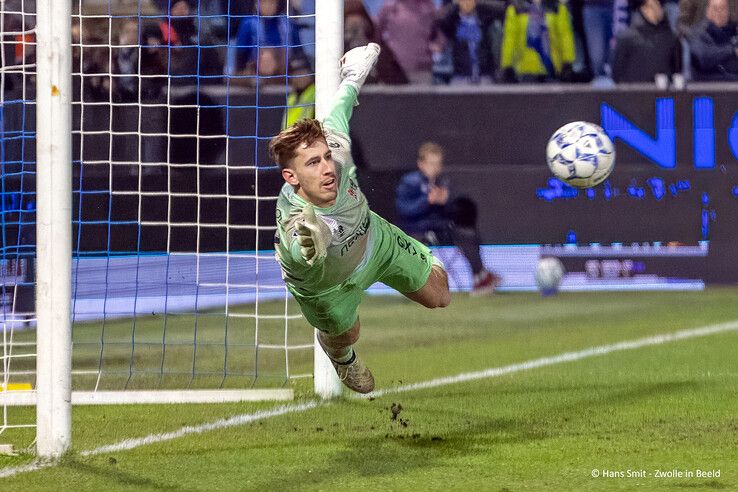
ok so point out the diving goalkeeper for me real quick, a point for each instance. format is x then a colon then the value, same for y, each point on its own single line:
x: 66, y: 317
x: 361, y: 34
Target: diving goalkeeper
x: 330, y: 246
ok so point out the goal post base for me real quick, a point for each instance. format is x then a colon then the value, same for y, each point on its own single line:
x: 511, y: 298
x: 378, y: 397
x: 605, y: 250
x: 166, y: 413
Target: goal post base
x: 161, y: 397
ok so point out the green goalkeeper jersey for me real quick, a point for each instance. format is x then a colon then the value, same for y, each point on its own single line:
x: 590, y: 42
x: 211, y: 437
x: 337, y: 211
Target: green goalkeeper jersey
x: 348, y: 218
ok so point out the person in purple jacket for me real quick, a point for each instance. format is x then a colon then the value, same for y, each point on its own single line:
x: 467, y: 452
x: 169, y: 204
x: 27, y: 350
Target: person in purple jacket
x: 406, y: 27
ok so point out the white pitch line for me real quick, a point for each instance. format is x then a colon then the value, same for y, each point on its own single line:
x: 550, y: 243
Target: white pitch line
x: 168, y: 436
x: 199, y: 429
x: 434, y: 383
x: 16, y: 470
x: 557, y: 359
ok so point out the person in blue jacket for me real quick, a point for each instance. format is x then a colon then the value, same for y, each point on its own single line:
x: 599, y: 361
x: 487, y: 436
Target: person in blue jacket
x: 428, y: 214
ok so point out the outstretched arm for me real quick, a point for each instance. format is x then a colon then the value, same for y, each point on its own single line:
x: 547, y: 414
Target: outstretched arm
x: 343, y: 107
x: 355, y: 67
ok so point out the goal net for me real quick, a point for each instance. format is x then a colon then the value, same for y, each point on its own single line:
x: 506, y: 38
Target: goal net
x: 175, y: 293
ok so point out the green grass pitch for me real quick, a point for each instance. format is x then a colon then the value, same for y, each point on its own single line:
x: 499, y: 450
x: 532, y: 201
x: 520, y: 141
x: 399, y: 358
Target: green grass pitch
x: 669, y: 409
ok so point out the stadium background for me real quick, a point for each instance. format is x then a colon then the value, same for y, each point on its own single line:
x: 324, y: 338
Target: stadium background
x: 502, y: 167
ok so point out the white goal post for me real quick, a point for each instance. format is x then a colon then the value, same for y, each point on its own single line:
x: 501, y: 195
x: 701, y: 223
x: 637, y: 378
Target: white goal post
x: 328, y: 49
x: 54, y: 228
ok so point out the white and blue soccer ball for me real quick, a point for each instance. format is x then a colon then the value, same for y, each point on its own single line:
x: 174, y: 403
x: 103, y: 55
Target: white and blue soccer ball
x: 549, y: 274
x: 580, y: 154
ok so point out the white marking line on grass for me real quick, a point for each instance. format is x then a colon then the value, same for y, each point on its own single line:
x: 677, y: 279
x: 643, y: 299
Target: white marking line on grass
x: 199, y: 429
x: 557, y: 359
x: 9, y: 472
x: 434, y: 383
x: 236, y: 420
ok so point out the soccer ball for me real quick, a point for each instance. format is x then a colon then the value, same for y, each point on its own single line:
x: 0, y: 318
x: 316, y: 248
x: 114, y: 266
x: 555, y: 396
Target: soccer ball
x: 580, y: 154
x: 549, y: 273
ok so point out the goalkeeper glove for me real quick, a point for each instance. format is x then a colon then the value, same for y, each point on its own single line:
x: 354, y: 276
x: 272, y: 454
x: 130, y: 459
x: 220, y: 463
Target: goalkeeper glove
x: 314, y: 236
x: 357, y: 63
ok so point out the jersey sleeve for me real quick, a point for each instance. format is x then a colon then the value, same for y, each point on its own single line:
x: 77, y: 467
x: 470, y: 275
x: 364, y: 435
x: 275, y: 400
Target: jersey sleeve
x: 336, y: 127
x: 343, y: 107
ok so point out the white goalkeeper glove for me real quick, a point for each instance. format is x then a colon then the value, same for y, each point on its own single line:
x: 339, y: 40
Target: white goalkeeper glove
x: 314, y: 236
x: 357, y: 63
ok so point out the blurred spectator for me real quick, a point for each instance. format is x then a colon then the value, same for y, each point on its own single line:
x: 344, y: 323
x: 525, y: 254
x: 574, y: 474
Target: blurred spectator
x: 693, y: 11
x: 268, y: 70
x: 671, y: 10
x: 127, y: 60
x: 538, y: 43
x: 581, y: 65
x: 238, y: 11
x: 304, y: 18
x: 620, y: 19
x: 154, y: 60
x: 178, y: 27
x: 469, y: 28
x: 301, y: 99
x: 405, y: 26
x: 714, y: 44
x: 211, y: 17
x: 269, y: 27
x: 213, y: 20
x: 91, y: 61
x: 428, y: 214
x: 191, y: 57
x: 442, y: 65
x: 648, y: 47
x: 178, y: 51
x: 374, y: 6
x: 152, y: 64
x: 20, y: 49
x: 598, y: 23
x: 358, y: 30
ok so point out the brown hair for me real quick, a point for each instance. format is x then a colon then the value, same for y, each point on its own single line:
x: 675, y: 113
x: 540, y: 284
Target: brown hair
x: 283, y: 147
x: 429, y: 148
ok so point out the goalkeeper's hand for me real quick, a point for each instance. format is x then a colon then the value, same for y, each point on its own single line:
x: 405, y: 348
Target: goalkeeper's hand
x: 314, y: 236
x: 357, y: 63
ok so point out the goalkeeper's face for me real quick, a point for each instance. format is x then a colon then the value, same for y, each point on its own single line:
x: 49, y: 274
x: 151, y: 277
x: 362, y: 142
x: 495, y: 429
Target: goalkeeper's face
x: 313, y: 174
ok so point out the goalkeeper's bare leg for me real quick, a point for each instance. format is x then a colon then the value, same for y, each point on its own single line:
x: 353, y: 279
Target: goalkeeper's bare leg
x: 350, y: 368
x: 434, y: 293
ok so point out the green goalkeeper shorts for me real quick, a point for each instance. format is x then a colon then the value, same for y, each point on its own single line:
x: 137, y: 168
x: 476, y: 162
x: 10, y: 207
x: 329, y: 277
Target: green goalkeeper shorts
x: 396, y: 260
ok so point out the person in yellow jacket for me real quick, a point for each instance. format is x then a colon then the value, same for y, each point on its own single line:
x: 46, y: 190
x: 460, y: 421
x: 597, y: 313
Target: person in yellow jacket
x: 301, y: 99
x: 537, y: 41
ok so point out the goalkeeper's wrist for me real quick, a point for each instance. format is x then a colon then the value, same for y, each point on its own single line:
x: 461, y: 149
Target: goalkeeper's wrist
x: 352, y: 87
x: 350, y: 83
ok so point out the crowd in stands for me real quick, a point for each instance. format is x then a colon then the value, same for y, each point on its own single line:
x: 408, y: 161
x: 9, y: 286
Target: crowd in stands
x: 186, y: 42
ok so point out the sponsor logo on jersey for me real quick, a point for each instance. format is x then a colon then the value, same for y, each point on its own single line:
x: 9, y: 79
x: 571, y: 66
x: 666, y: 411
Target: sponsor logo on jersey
x: 333, y: 225
x: 408, y: 247
x: 352, y: 190
x: 363, y: 228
